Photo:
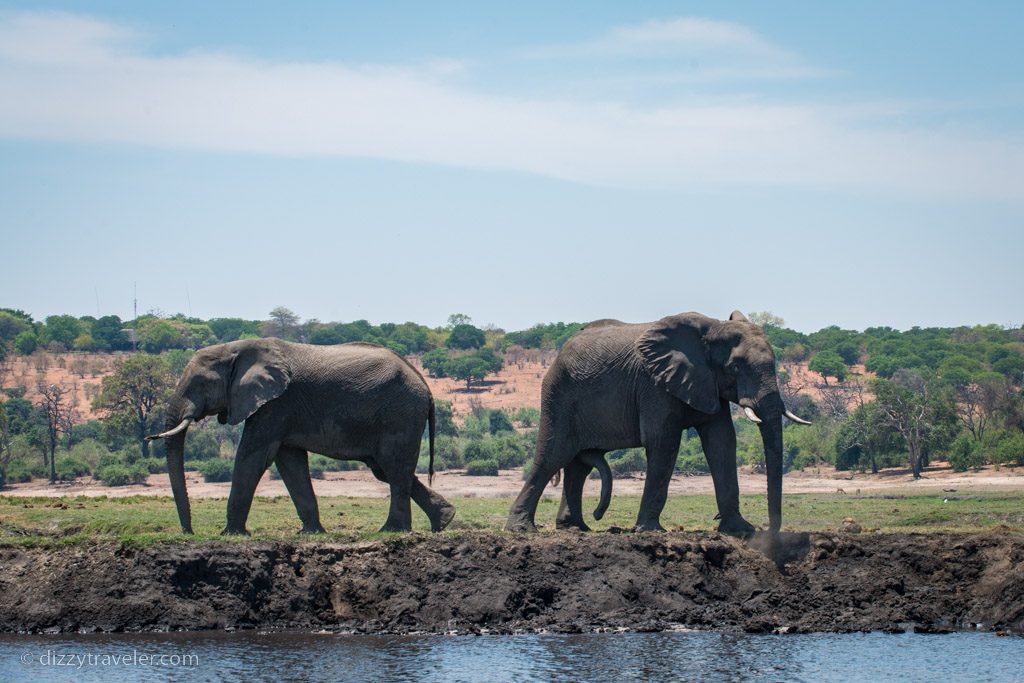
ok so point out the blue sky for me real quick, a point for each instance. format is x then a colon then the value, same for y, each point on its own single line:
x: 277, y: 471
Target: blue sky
x: 856, y: 164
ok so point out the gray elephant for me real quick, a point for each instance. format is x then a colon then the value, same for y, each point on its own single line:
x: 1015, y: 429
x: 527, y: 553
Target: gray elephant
x: 352, y: 401
x: 616, y: 385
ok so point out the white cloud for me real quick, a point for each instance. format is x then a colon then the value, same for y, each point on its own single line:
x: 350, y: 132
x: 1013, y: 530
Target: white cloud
x: 700, y: 50
x: 63, y: 77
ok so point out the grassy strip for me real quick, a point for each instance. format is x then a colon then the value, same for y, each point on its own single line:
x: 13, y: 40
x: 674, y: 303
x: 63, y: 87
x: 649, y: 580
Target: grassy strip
x: 144, y: 520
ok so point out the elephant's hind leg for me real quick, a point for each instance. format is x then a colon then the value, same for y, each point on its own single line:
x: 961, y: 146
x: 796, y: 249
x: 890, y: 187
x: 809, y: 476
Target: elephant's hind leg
x: 439, y: 511
x: 392, y: 465
x: 293, y: 464
x: 570, y: 511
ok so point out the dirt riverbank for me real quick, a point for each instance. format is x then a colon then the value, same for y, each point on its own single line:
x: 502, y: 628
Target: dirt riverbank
x: 566, y: 582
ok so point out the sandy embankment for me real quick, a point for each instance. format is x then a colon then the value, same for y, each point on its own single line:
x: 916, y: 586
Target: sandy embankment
x: 360, y: 483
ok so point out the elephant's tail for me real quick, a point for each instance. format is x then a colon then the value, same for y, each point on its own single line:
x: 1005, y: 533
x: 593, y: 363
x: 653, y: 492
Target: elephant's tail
x: 431, y: 428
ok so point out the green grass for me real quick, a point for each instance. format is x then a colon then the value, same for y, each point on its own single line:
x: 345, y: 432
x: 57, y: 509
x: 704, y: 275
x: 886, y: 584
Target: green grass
x: 144, y: 520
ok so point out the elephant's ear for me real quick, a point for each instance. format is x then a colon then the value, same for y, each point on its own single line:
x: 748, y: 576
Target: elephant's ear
x: 736, y: 315
x: 674, y: 352
x: 259, y: 374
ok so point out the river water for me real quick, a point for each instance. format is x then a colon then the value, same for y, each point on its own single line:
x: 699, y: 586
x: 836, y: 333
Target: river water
x: 699, y: 656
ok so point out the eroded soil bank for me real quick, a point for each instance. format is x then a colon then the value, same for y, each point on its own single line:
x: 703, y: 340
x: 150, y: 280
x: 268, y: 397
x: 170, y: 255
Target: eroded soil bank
x: 507, y: 583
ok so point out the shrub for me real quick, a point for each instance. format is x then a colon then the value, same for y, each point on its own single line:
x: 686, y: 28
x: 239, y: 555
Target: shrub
x: 482, y: 468
x: 318, y: 464
x: 527, y: 417
x: 90, y: 451
x: 123, y: 475
x: 20, y: 471
x: 964, y: 453
x: 512, y: 450
x: 3, y: 479
x: 154, y: 465
x: 216, y: 470
x: 477, y: 450
x: 1010, y: 450
x: 69, y: 467
x: 447, y: 453
x: 627, y: 461
x: 692, y: 463
x: 498, y: 422
x: 201, y: 445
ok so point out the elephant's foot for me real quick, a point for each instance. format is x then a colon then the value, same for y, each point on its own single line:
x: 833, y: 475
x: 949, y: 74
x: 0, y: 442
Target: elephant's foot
x: 565, y: 524
x: 649, y: 526
x: 735, y: 525
x: 442, y: 519
x: 235, y: 531
x: 311, y: 529
x: 394, y: 527
x: 520, y: 524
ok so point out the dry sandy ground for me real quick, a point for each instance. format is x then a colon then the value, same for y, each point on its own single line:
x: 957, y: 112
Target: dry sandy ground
x: 455, y: 484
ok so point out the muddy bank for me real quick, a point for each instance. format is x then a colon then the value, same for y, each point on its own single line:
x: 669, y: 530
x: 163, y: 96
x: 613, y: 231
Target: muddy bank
x: 506, y: 583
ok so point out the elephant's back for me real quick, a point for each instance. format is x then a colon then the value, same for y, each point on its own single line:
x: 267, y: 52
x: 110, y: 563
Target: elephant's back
x: 599, y: 348
x: 365, y: 368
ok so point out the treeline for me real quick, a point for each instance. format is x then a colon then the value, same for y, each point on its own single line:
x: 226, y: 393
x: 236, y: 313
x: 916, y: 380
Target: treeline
x: 923, y: 394
x: 151, y: 333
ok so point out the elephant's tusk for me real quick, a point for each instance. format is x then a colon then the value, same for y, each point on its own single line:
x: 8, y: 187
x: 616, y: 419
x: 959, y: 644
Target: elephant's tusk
x: 751, y: 415
x: 182, y: 426
x: 793, y: 418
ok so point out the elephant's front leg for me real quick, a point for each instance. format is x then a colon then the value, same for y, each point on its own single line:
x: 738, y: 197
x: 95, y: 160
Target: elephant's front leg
x: 293, y: 464
x: 251, y: 461
x: 661, y: 462
x: 439, y: 511
x: 718, y: 439
x: 570, y: 510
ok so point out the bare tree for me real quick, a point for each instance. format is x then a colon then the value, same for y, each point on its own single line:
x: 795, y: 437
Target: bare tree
x: 283, y: 323
x: 56, y: 406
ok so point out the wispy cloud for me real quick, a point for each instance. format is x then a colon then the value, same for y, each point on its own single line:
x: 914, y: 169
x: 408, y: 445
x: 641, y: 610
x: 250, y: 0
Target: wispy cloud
x: 65, y: 77
x: 688, y: 49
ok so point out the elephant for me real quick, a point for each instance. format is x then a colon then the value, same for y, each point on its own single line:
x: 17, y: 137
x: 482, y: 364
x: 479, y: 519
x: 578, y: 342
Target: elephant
x: 354, y: 401
x: 616, y: 385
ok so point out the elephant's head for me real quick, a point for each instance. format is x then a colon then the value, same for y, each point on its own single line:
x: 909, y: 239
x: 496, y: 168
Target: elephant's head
x: 230, y: 381
x: 703, y: 361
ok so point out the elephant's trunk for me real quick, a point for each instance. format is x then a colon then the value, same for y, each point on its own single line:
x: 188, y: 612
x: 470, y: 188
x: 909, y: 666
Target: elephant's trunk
x: 176, y: 473
x: 180, y: 415
x: 770, y: 410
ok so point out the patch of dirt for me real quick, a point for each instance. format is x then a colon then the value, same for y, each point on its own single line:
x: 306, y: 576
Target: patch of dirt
x: 566, y: 582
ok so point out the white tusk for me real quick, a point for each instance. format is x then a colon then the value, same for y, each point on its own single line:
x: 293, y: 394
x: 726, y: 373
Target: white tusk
x: 751, y: 415
x: 793, y: 418
x: 177, y: 430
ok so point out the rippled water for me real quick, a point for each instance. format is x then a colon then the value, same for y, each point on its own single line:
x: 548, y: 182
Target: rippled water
x: 590, y: 657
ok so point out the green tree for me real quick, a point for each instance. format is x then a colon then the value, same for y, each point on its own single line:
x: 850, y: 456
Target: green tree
x: 11, y: 325
x: 828, y: 364
x: 108, y: 334
x: 498, y: 421
x: 131, y: 396
x: 917, y: 409
x: 436, y: 362
x: 465, y: 336
x: 444, y: 424
x: 62, y: 329
x: 26, y: 343
x: 468, y: 369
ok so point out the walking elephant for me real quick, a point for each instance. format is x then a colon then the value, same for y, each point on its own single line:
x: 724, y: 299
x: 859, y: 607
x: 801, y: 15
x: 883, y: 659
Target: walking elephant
x: 616, y: 385
x: 352, y: 401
